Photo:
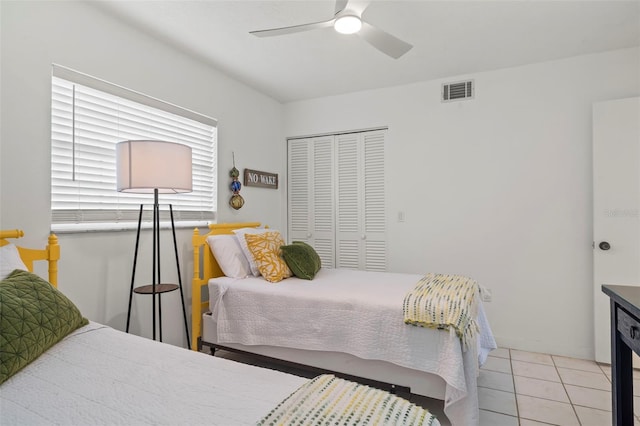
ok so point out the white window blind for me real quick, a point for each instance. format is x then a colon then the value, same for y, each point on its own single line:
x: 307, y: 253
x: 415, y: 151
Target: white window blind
x: 88, y: 117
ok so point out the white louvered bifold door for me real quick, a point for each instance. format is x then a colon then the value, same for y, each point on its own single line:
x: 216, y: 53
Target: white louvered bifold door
x: 323, y: 217
x: 336, y: 198
x: 299, y: 189
x: 348, y: 201
x: 375, y: 244
x: 310, y: 195
x: 360, y: 199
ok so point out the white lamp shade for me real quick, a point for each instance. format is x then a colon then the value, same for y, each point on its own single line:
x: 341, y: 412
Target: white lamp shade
x: 143, y: 166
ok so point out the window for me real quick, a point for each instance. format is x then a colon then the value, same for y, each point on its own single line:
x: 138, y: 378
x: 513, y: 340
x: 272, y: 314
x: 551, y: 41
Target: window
x: 88, y: 117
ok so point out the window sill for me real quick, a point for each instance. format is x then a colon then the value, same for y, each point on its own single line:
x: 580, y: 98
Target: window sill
x: 77, y: 228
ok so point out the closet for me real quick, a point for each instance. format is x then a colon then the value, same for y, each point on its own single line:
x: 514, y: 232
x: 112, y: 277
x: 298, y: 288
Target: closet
x: 336, y: 198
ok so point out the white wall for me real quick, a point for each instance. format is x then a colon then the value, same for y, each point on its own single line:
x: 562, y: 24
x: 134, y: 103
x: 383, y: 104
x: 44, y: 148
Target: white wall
x: 95, y: 269
x: 498, y: 188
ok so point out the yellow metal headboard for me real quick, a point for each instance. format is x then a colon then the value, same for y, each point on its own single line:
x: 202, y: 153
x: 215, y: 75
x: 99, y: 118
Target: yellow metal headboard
x: 210, y: 269
x: 50, y: 254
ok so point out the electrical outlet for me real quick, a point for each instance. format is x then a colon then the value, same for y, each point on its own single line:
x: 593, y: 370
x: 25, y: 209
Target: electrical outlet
x: 486, y: 295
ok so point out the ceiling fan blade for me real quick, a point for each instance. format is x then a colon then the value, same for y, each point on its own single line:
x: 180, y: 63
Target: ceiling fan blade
x: 357, y: 6
x: 383, y: 41
x: 292, y: 29
x: 340, y: 5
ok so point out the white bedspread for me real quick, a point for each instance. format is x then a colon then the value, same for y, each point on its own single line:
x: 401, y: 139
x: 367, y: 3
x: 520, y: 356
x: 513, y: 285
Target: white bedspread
x: 355, y: 312
x: 101, y: 376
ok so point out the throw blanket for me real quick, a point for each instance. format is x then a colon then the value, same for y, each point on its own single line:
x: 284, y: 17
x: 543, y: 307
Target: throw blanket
x: 330, y: 400
x: 444, y: 302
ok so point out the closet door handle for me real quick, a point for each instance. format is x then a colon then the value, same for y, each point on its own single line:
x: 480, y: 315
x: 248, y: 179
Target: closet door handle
x: 364, y: 237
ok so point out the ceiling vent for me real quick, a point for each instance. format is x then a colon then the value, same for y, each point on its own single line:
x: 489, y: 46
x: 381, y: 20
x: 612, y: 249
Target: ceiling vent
x: 458, y: 91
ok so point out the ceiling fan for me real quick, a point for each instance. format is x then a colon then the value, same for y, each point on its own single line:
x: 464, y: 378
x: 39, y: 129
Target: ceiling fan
x: 347, y: 19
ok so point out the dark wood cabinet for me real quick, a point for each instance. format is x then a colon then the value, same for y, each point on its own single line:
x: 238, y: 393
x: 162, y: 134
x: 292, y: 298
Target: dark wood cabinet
x: 625, y: 339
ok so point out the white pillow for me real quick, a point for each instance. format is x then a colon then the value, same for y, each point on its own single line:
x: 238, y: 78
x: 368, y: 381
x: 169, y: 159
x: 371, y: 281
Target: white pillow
x: 229, y: 255
x: 10, y: 260
x: 245, y: 248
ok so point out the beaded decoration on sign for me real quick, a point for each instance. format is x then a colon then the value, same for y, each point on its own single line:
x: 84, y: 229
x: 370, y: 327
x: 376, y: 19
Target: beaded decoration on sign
x: 236, y: 200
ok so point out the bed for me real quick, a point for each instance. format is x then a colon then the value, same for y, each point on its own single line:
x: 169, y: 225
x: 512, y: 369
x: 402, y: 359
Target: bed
x: 93, y: 374
x: 321, y: 324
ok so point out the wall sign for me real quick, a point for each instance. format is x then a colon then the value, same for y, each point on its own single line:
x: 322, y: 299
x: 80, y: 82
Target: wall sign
x: 261, y: 179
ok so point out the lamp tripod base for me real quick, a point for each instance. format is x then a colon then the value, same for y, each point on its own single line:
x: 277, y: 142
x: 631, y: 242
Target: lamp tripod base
x: 157, y: 288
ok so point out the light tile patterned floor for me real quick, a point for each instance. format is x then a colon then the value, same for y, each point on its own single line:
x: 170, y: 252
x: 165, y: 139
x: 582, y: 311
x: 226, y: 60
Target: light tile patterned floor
x: 517, y: 388
x: 526, y: 389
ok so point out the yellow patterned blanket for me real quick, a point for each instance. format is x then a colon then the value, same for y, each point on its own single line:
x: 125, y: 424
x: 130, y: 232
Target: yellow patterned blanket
x: 328, y: 400
x: 444, y: 302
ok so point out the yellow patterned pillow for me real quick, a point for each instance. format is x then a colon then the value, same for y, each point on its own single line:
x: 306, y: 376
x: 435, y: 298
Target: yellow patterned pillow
x: 268, y: 256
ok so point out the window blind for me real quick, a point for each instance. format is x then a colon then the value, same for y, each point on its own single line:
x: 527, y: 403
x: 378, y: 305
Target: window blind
x: 86, y: 124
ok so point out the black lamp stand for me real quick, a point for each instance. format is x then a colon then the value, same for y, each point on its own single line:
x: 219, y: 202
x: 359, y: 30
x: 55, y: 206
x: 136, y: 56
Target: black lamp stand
x: 157, y: 288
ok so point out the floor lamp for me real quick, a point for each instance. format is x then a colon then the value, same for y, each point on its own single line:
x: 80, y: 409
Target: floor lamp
x: 154, y: 167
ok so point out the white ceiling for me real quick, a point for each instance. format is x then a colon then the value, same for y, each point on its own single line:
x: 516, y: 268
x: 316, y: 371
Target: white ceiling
x: 449, y: 37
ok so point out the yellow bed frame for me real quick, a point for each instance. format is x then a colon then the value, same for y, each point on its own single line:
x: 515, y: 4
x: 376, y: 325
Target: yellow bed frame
x: 378, y: 373
x: 206, y: 267
x: 50, y: 254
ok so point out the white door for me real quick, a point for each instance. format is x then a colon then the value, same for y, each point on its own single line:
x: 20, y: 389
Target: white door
x: 336, y: 198
x: 310, y: 195
x: 360, y: 201
x: 616, y: 207
x: 373, y: 201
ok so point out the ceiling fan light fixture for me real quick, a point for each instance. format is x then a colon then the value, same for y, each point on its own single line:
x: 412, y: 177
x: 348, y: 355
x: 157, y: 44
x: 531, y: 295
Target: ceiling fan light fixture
x: 347, y: 24
x: 346, y: 20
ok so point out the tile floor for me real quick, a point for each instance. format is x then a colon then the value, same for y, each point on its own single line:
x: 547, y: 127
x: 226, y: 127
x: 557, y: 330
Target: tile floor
x: 527, y: 389
x: 518, y: 388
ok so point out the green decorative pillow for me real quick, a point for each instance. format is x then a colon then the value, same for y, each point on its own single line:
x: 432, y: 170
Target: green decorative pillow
x: 34, y: 316
x: 302, y: 259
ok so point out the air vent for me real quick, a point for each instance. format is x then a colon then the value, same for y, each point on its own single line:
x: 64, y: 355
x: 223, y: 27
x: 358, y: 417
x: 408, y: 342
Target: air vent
x: 457, y: 91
